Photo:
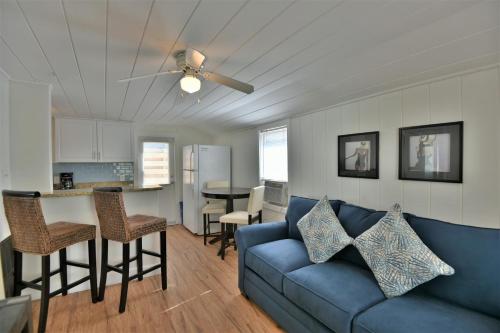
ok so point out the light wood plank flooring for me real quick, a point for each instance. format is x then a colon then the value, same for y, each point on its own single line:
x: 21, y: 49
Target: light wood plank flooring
x: 202, y: 296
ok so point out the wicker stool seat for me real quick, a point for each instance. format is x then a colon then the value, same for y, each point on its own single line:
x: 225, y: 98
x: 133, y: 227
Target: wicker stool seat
x: 117, y: 226
x: 31, y: 235
x: 64, y: 234
x: 142, y: 225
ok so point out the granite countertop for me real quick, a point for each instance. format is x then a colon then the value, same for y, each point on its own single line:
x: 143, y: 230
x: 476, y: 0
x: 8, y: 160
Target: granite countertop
x: 89, y: 191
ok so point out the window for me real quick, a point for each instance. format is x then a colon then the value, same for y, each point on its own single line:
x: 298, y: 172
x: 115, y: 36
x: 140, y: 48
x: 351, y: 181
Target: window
x: 155, y: 162
x: 273, y: 154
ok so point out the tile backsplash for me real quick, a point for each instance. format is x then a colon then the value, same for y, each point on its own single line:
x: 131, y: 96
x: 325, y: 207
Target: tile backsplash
x: 96, y: 172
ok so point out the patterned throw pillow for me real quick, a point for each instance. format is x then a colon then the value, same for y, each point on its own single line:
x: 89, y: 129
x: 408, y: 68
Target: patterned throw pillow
x: 397, y: 257
x: 322, y: 232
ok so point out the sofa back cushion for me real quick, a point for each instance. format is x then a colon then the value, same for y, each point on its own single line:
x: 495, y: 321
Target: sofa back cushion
x: 355, y: 221
x: 298, y: 207
x: 474, y: 253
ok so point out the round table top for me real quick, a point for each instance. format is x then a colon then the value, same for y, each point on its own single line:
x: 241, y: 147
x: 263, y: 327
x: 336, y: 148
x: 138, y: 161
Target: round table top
x: 226, y: 193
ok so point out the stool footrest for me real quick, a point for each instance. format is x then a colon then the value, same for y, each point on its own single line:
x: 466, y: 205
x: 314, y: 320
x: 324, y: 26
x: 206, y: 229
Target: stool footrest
x: 130, y: 260
x: 71, y: 285
x: 77, y: 264
x: 30, y: 284
x: 114, y: 269
x: 151, y: 253
x: 38, y: 279
x: 146, y: 271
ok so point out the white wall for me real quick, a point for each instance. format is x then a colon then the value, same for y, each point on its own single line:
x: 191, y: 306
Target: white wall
x: 244, y: 159
x: 171, y: 195
x: 30, y: 136
x: 4, y: 147
x: 472, y: 97
x: 245, y: 166
x: 4, y: 160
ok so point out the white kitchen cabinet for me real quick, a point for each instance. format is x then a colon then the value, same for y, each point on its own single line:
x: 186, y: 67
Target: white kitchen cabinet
x: 115, y: 141
x: 82, y: 140
x: 75, y: 140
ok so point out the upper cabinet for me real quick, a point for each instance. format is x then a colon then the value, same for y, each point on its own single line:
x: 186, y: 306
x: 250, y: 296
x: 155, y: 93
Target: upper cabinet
x: 75, y: 140
x: 115, y: 141
x: 82, y: 140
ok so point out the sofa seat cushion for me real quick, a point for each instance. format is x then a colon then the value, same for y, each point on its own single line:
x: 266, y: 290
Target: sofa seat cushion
x: 333, y: 292
x: 413, y: 313
x: 272, y: 260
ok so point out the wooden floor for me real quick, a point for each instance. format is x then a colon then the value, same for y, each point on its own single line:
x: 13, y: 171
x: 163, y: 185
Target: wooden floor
x: 202, y: 296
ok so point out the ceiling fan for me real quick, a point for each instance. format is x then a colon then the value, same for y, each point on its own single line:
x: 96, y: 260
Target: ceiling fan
x: 190, y: 62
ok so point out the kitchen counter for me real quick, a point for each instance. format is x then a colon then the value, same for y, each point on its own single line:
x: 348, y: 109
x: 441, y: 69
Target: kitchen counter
x: 89, y: 191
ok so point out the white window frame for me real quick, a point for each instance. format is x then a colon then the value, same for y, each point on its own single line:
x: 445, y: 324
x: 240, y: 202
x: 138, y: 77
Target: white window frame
x: 171, y: 153
x: 269, y: 129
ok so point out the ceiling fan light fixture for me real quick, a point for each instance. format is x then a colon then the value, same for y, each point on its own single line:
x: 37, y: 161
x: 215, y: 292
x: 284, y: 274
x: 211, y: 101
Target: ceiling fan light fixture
x: 190, y: 84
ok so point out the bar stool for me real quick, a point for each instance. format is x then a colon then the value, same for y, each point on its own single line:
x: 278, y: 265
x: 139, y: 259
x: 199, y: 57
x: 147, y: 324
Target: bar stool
x: 252, y: 214
x: 213, y: 206
x: 31, y: 235
x: 117, y: 226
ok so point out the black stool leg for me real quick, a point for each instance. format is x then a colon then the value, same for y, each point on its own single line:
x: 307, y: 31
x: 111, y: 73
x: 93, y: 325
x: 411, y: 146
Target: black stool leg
x: 208, y: 225
x: 125, y: 276
x: 205, y: 229
x: 235, y: 227
x: 44, y: 301
x: 163, y: 258
x: 104, y: 269
x: 63, y: 266
x: 260, y: 217
x: 223, y: 240
x: 138, y: 253
x: 92, y: 270
x: 18, y: 272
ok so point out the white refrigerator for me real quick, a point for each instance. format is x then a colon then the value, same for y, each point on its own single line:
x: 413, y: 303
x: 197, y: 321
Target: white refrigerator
x: 201, y: 163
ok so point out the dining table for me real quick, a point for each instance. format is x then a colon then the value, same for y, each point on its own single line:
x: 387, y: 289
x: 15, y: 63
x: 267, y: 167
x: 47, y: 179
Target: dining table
x: 229, y: 194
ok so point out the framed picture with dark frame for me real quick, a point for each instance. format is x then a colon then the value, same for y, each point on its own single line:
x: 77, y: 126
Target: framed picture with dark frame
x: 358, y: 155
x: 432, y: 152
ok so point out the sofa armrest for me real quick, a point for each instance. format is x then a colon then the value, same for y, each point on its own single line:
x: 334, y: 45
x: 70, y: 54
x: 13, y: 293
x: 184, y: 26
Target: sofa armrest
x: 255, y: 234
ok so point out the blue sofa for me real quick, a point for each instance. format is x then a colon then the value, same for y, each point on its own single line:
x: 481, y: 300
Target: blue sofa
x: 342, y: 294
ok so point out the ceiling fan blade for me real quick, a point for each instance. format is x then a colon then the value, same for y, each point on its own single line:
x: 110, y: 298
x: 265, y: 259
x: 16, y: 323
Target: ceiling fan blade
x: 194, y: 58
x: 229, y: 82
x: 149, y: 75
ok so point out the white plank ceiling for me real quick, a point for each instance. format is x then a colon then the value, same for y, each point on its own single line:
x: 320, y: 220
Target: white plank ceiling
x: 299, y: 55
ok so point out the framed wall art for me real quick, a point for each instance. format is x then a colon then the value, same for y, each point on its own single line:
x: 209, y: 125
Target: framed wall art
x: 431, y: 152
x: 358, y: 155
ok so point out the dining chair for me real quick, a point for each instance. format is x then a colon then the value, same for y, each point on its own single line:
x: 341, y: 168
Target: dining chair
x: 31, y: 235
x: 115, y: 225
x: 213, y: 206
x: 252, y: 214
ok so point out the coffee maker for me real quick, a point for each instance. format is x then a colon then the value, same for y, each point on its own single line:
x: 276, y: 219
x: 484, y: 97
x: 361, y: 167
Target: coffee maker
x: 66, y: 180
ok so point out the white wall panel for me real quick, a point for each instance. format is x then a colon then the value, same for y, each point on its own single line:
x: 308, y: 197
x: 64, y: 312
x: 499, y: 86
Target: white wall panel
x: 4, y: 149
x: 390, y: 121
x: 333, y: 130
x: 369, y: 190
x: 444, y: 101
x: 415, y: 109
x: 319, y: 151
x: 369, y: 115
x: 350, y: 118
x: 480, y: 108
x: 293, y: 156
x: 416, y: 106
x: 445, y: 106
x: 306, y: 155
x: 472, y: 97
